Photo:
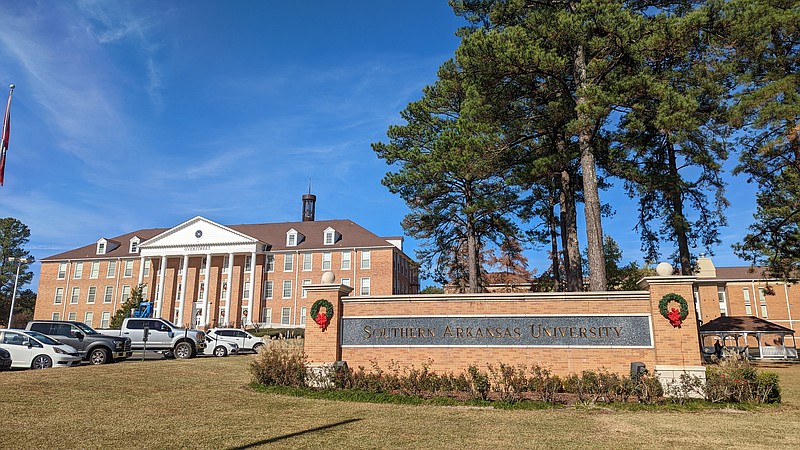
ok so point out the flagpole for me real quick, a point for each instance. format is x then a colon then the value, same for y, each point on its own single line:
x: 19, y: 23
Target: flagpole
x: 6, y: 132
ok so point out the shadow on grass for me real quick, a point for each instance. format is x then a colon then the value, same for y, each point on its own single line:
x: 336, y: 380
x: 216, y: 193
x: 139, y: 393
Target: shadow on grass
x: 290, y: 435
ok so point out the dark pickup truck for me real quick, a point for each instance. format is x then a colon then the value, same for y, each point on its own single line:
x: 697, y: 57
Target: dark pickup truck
x: 93, y: 346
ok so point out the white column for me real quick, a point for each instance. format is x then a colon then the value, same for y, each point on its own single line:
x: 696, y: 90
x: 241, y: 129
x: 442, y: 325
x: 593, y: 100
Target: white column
x: 206, y: 272
x: 162, y: 271
x: 252, y: 287
x: 182, y: 298
x: 141, y: 271
x: 230, y: 288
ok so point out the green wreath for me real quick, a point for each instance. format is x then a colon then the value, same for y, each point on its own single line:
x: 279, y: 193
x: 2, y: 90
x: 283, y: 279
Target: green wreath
x: 663, y: 305
x: 322, y: 303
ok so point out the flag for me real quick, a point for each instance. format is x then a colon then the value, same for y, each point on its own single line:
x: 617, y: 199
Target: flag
x: 6, y: 132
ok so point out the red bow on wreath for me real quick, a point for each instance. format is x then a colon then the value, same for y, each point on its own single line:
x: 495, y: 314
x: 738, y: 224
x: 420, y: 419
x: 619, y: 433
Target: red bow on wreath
x: 322, y: 320
x: 674, y: 317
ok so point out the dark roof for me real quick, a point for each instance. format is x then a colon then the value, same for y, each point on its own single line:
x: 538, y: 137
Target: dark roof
x: 740, y: 273
x: 351, y: 235
x: 743, y: 324
x: 90, y: 251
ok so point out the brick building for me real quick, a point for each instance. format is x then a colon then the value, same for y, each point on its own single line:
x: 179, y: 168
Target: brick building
x: 201, y: 273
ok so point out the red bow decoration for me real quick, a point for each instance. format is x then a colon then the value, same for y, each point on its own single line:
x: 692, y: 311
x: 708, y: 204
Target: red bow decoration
x: 322, y: 321
x: 674, y: 317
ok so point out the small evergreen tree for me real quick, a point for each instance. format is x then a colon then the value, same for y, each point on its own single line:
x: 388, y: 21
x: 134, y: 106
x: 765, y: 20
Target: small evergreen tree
x: 131, y: 304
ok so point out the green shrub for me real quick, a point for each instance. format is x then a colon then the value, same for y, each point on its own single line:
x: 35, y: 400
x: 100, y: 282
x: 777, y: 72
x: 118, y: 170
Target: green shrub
x: 737, y: 381
x: 768, y: 388
x: 478, y: 383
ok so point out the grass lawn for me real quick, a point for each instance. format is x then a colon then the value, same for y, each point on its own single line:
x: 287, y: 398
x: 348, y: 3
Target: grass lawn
x: 205, y: 403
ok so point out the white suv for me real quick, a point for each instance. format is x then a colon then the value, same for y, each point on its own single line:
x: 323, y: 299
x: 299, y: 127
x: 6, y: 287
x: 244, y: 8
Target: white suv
x: 243, y: 339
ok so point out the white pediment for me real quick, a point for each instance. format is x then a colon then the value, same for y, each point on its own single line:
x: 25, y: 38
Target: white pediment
x: 199, y: 236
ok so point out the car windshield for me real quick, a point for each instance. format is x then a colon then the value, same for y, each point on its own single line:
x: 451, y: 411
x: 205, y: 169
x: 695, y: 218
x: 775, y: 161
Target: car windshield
x: 86, y: 329
x: 42, y: 338
x: 170, y: 323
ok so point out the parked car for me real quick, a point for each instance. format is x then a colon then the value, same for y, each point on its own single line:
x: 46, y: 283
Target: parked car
x: 163, y: 336
x: 243, y: 339
x: 31, y: 349
x: 220, y: 347
x: 5, y: 359
x: 93, y: 346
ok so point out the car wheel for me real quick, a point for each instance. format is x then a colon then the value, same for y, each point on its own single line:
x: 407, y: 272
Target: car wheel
x: 99, y: 356
x: 220, y: 351
x: 257, y: 348
x: 183, y: 350
x: 42, y: 362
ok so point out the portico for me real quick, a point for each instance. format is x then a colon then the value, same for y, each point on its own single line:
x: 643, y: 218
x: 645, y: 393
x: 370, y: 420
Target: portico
x: 203, y: 273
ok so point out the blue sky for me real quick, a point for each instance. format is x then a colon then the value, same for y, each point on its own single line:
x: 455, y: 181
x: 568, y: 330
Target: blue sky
x: 141, y: 114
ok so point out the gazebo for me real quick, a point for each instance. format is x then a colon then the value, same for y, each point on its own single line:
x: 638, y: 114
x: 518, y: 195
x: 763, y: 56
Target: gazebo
x: 770, y: 337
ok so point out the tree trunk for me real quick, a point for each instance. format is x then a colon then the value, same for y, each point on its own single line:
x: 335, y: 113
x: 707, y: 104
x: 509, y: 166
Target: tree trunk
x: 552, y: 220
x: 678, y: 219
x: 569, y: 235
x: 472, y: 257
x: 591, y: 203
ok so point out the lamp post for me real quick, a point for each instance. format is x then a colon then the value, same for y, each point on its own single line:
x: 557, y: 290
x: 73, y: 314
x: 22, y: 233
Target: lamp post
x: 19, y: 262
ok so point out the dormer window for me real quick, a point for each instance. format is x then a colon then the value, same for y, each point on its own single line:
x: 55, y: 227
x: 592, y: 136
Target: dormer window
x: 293, y: 238
x: 102, y: 246
x: 331, y: 236
x: 135, y: 245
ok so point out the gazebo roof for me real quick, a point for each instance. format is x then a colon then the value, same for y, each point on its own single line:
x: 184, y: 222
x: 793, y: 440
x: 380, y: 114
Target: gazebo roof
x: 743, y: 324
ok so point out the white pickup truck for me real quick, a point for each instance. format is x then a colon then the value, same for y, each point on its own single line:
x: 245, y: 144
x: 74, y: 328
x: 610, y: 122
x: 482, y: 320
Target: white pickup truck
x: 163, y: 336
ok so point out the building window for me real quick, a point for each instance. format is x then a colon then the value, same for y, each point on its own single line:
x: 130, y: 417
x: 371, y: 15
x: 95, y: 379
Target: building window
x: 62, y: 271
x: 144, y: 292
x: 307, y: 259
x: 346, y: 281
x: 224, y: 290
x: 126, y: 293
x: 95, y: 269
x: 78, y: 270
x: 288, y: 262
x: 146, y: 270
x: 303, y: 315
x: 59, y: 296
x: 109, y: 295
x: 105, y: 319
x: 291, y: 238
x: 76, y: 293
x: 248, y: 262
x: 266, y: 315
x: 287, y: 289
x: 268, y: 289
x: 101, y: 248
x: 365, y: 259
x: 286, y: 314
x: 748, y: 308
x: 364, y: 286
x: 202, y: 294
x: 135, y: 245
x: 91, y: 295
x: 128, y: 268
x: 345, y: 260
x: 330, y: 236
x: 270, y: 263
x: 723, y: 302
x: 304, y: 293
x: 112, y: 269
x: 72, y: 316
x: 326, y: 261
x: 180, y: 266
x: 203, y: 263
x: 246, y: 290
x: 88, y: 318
x: 56, y: 316
x: 762, y: 298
